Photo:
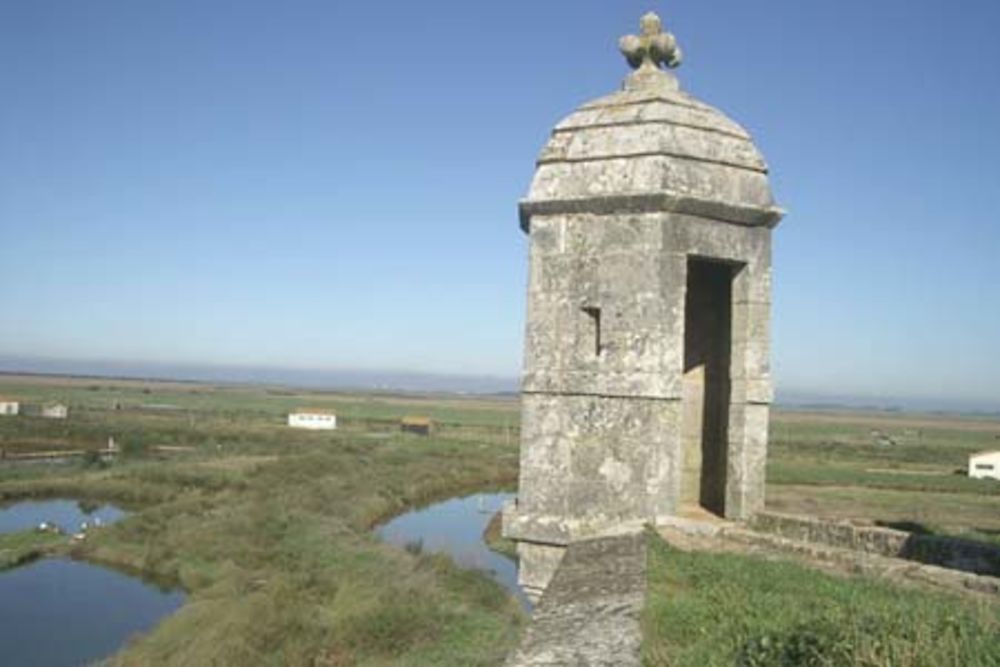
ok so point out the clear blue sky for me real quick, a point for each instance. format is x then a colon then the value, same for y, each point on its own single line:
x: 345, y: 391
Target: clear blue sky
x: 334, y: 183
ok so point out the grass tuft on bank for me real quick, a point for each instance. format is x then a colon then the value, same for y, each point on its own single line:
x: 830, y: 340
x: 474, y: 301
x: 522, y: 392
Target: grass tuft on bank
x: 22, y: 547
x: 708, y: 609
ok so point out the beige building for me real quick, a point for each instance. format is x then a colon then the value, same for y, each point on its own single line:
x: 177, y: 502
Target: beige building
x: 985, y: 465
x: 9, y: 407
x: 313, y: 419
x: 416, y: 424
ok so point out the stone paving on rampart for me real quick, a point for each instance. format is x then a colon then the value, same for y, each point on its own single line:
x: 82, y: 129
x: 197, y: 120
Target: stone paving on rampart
x: 590, y: 613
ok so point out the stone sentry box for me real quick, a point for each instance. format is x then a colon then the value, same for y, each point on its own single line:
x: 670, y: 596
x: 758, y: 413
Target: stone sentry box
x: 646, y: 385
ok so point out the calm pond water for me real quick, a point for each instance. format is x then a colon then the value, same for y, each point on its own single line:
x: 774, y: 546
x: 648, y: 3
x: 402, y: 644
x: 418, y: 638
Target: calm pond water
x: 455, y: 527
x: 67, y: 514
x: 61, y: 612
x: 57, y: 611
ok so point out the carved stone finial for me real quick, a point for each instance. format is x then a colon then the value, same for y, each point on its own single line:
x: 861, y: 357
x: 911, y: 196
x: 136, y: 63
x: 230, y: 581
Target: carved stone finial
x: 648, y: 52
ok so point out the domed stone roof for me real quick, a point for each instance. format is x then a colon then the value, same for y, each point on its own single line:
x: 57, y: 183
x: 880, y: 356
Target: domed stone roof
x: 651, y: 147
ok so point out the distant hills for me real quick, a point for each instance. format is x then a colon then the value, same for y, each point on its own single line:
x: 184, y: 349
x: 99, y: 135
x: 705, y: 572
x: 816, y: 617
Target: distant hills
x: 369, y: 380
x: 808, y: 400
x: 412, y: 381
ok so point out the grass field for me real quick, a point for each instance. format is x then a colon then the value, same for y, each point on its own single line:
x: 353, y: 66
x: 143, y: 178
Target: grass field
x: 837, y: 465
x: 729, y: 609
x: 706, y: 610
x: 268, y: 528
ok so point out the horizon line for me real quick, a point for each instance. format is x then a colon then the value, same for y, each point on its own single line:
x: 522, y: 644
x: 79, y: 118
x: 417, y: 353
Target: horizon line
x: 415, y: 381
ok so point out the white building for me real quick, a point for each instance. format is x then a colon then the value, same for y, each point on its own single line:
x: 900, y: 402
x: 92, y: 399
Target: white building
x: 313, y: 419
x: 984, y: 465
x: 55, y: 411
x: 8, y: 406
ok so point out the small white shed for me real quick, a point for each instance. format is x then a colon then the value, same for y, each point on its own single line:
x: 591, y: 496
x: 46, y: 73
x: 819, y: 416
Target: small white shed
x: 323, y: 420
x: 9, y: 406
x: 55, y: 411
x: 984, y: 465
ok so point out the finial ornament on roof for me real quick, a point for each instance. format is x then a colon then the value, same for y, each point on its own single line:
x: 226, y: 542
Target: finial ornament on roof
x: 652, y: 47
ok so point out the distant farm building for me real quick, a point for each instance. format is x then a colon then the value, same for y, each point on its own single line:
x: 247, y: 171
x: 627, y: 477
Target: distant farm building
x: 8, y: 406
x: 983, y: 465
x: 322, y: 420
x: 415, y: 424
x: 883, y: 440
x: 55, y: 411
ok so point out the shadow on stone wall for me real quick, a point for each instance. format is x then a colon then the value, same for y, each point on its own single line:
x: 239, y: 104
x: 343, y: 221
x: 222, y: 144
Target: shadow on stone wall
x: 905, y: 539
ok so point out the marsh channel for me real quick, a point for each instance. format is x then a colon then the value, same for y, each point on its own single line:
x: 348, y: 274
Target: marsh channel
x: 455, y: 527
x: 58, y: 611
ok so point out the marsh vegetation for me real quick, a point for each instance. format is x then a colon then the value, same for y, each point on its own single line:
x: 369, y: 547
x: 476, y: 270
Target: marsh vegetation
x: 268, y: 530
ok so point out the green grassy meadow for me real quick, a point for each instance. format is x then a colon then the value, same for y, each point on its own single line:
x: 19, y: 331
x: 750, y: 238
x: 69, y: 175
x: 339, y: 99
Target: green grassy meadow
x: 729, y: 609
x: 706, y: 610
x: 832, y: 465
x: 268, y: 529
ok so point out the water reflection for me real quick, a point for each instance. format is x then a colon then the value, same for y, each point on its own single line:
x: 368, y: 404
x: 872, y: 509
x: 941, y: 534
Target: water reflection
x: 62, y: 612
x: 455, y: 527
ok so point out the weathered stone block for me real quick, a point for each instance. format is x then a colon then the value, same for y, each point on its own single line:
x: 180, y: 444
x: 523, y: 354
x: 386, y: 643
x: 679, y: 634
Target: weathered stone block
x: 747, y: 456
x: 547, y: 235
x: 589, y: 234
x: 753, y: 283
x: 704, y: 237
x: 538, y: 562
x: 750, y: 360
x: 751, y: 321
x: 751, y: 391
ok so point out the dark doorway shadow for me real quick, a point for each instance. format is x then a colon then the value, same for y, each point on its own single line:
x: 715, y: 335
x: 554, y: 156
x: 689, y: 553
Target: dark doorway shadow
x: 707, y: 342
